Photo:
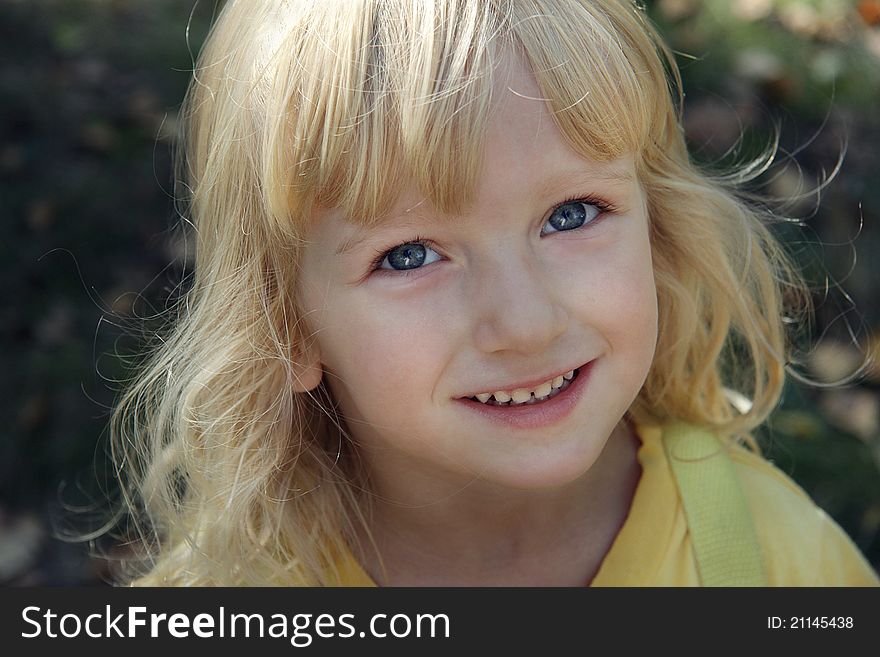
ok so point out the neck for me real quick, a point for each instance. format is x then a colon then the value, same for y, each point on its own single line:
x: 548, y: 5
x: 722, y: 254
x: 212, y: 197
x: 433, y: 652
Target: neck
x: 481, y: 534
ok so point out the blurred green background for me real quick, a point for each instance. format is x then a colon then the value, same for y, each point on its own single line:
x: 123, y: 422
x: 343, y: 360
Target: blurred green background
x: 89, y: 97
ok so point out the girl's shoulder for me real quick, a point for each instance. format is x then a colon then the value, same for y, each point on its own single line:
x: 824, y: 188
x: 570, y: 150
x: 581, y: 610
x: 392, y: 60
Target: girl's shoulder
x: 801, y: 544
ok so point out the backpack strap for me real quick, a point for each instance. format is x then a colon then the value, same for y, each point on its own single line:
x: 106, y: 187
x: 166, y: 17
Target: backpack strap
x: 719, y: 520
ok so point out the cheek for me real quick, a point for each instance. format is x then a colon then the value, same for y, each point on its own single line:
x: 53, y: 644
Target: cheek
x: 380, y: 353
x: 621, y: 300
x: 636, y: 301
x: 635, y: 291
x: 643, y: 317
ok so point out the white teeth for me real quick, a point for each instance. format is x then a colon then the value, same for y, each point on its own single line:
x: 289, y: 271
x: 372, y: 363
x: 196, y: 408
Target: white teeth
x: 543, y: 390
x: 525, y: 396
x: 520, y: 395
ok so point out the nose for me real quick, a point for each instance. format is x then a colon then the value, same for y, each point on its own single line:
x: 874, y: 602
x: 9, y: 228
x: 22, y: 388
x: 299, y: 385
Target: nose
x: 518, y: 304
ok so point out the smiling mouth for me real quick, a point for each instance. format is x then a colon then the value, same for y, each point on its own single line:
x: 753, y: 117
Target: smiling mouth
x: 566, y: 383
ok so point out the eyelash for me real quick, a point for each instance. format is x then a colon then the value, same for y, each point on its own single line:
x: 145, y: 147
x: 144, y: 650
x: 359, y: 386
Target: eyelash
x: 605, y: 207
x: 381, y: 254
x: 602, y: 205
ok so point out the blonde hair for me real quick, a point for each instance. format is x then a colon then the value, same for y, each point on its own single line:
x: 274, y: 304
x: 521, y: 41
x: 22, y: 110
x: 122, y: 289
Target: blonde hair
x: 233, y: 478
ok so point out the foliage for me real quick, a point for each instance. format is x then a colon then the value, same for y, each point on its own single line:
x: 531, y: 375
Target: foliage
x: 89, y: 93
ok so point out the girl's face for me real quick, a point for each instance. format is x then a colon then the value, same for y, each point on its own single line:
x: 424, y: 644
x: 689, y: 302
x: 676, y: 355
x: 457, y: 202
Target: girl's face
x: 549, y: 271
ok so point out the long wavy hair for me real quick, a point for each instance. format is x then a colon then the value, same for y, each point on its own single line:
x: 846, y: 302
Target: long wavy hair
x: 229, y: 476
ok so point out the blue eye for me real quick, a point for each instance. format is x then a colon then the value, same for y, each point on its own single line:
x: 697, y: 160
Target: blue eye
x: 411, y: 255
x: 571, y: 215
x: 574, y: 213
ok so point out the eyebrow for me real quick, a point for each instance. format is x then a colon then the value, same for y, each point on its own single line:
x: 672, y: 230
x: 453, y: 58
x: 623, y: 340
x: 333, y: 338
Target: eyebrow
x: 360, y: 233
x: 562, y: 180
x: 584, y: 176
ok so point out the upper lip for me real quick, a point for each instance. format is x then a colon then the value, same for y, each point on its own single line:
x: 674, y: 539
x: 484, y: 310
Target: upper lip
x: 528, y: 385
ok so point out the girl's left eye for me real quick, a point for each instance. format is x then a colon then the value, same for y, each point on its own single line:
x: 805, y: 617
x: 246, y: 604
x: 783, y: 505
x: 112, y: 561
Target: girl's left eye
x: 571, y: 215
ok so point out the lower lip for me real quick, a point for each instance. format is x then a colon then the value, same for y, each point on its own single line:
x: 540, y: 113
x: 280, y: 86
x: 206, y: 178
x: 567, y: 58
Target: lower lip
x: 541, y: 414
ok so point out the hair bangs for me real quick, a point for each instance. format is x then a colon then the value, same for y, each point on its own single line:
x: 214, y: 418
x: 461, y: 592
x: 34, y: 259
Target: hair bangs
x: 404, y: 95
x: 598, y: 69
x: 403, y: 101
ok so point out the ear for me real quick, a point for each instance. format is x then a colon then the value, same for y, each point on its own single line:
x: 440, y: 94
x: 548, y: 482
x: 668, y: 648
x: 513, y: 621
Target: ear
x: 307, y: 368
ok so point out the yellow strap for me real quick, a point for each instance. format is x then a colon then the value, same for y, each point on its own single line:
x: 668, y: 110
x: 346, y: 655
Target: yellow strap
x: 719, y: 520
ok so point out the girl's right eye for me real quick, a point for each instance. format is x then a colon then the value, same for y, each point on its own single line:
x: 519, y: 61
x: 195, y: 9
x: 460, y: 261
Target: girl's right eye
x: 575, y: 213
x: 410, y: 255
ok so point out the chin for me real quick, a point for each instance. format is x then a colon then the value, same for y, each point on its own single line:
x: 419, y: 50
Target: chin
x: 544, y: 474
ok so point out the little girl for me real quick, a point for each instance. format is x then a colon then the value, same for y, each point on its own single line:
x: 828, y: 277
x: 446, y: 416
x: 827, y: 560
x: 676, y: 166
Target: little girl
x: 464, y: 313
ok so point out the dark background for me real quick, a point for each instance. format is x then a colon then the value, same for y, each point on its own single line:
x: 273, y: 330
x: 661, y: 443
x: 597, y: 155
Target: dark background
x: 89, y: 99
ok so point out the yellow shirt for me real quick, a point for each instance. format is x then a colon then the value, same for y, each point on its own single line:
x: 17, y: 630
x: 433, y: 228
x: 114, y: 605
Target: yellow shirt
x: 800, y: 543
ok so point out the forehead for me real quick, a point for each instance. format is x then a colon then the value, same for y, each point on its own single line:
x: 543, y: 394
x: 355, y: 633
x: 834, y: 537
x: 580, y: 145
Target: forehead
x: 523, y: 147
x: 413, y: 210
x: 399, y: 111
x: 524, y: 143
x: 520, y: 125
